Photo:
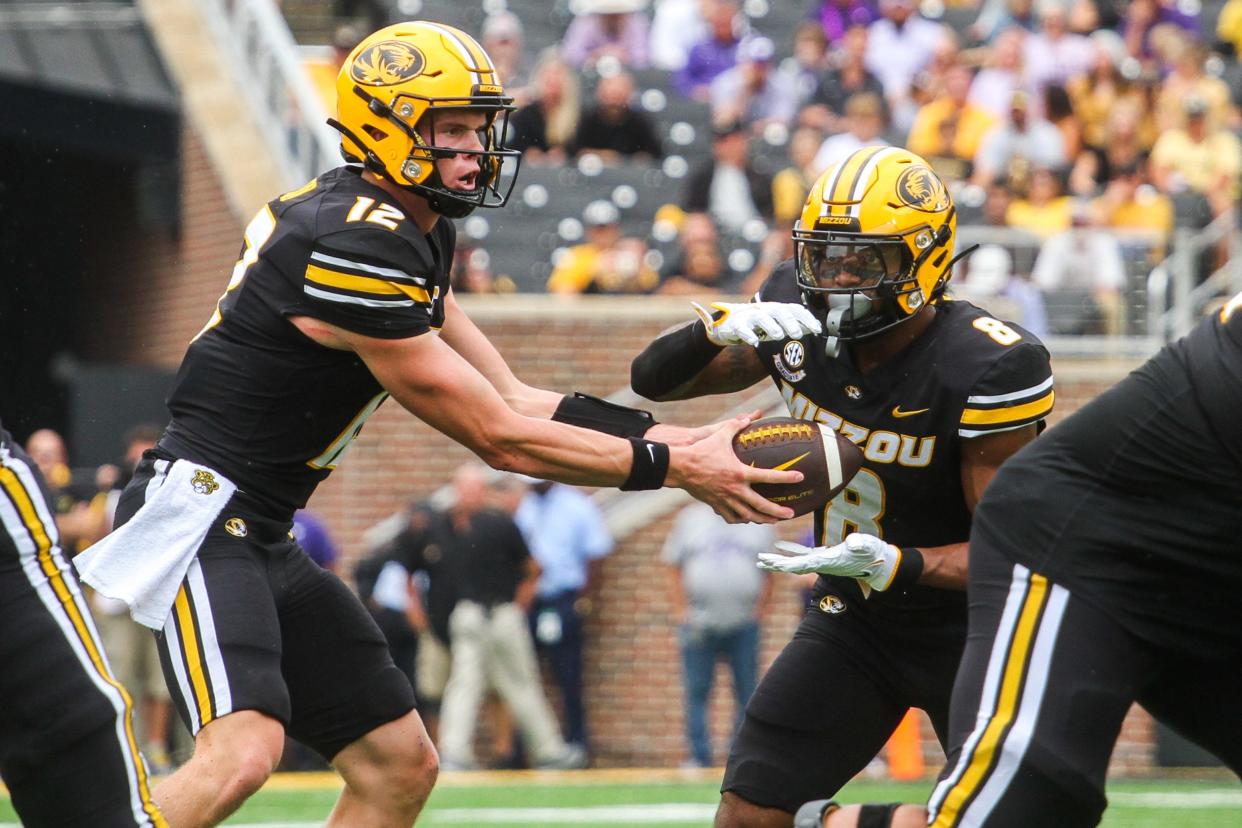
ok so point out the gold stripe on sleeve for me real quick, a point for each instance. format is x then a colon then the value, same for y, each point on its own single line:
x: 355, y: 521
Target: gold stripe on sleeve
x: 364, y: 284
x: 1009, y: 414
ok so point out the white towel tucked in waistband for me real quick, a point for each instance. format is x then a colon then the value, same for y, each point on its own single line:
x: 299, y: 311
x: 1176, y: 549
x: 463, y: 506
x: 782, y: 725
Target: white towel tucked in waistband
x: 144, y: 562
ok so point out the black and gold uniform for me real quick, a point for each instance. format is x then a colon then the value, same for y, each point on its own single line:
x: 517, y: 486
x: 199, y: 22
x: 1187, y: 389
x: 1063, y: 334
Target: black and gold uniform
x: 68, y: 752
x: 254, y: 397
x: 834, y: 695
x: 257, y: 625
x: 1105, y: 568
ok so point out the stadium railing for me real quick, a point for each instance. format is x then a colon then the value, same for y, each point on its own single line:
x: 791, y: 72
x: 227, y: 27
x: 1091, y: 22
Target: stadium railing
x: 1176, y: 296
x: 269, y: 69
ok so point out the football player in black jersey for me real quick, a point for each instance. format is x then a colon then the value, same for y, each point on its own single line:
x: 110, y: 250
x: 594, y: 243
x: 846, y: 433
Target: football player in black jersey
x: 1105, y: 567
x: 341, y: 298
x: 938, y: 394
x: 68, y: 752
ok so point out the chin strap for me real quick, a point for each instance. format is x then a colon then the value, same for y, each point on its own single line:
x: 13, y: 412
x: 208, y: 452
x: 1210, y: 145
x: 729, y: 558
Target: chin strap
x: 832, y: 330
x: 940, y: 289
x: 855, y: 306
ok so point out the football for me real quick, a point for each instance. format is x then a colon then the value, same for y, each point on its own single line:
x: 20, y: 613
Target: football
x: 826, y: 459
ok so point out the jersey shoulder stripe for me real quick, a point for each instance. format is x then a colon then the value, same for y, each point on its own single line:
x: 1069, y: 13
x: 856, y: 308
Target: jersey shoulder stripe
x: 344, y: 265
x: 349, y: 284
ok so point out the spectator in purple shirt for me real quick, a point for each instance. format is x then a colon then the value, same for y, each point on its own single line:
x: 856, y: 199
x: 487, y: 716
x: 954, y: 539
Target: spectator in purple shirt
x: 313, y: 537
x: 1142, y: 16
x: 607, y: 28
x: 838, y: 16
x: 714, y: 54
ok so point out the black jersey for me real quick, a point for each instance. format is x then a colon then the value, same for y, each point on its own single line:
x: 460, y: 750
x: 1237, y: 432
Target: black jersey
x: 1212, y: 356
x: 966, y: 376
x: 1139, y: 494
x: 257, y: 399
x: 13, y: 483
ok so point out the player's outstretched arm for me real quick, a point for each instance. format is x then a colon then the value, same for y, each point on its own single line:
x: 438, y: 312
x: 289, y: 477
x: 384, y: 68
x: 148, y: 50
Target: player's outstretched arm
x: 716, y: 354
x: 464, y: 337
x: 436, y: 384
x: 682, y: 363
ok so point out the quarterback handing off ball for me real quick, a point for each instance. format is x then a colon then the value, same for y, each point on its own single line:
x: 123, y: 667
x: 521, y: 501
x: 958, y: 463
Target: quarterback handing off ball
x: 827, y: 460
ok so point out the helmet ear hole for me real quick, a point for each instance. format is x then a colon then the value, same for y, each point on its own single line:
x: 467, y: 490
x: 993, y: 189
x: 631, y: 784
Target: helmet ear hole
x: 376, y: 133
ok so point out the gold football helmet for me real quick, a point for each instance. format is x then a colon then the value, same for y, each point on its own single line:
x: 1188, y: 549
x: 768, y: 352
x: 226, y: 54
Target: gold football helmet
x: 396, y: 81
x: 874, y: 242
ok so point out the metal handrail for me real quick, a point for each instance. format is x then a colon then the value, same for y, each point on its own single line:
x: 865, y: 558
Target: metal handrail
x: 1174, y: 299
x: 269, y: 68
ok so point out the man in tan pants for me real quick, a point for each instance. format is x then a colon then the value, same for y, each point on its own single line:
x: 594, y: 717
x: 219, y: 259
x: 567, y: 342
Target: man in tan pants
x: 488, y: 634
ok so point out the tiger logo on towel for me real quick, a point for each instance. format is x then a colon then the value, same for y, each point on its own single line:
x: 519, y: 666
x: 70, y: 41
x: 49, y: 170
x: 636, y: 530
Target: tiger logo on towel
x: 204, y: 482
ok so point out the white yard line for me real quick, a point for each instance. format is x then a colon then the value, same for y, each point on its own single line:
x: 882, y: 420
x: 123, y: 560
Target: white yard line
x: 699, y: 813
x: 1214, y: 798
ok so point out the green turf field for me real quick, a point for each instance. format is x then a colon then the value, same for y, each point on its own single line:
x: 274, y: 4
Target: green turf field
x: 629, y: 799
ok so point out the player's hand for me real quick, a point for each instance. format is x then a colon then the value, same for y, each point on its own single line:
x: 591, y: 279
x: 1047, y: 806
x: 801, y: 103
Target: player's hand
x: 864, y: 557
x: 680, y: 436
x: 711, y: 472
x: 750, y: 323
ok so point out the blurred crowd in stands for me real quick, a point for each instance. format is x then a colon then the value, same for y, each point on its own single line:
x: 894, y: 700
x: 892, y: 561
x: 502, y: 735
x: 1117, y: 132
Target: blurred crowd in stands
x: 1075, y: 135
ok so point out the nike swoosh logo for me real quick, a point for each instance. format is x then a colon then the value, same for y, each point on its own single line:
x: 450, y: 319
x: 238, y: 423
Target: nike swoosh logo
x: 788, y: 463
x: 898, y: 413
x: 651, y: 451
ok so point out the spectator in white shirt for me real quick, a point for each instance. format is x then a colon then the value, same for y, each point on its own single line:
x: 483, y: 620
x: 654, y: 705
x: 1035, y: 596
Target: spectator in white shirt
x: 1082, y: 274
x: 675, y: 27
x: 864, y: 118
x: 1054, y: 54
x: 751, y: 92
x: 1003, y: 75
x: 899, y: 45
x: 1022, y: 137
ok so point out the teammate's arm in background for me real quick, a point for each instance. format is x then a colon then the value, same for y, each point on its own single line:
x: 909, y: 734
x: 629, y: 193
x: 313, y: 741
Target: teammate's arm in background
x: 436, y: 384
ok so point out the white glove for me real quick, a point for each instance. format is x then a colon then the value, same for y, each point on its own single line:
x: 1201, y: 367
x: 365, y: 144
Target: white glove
x: 865, y: 557
x: 755, y: 322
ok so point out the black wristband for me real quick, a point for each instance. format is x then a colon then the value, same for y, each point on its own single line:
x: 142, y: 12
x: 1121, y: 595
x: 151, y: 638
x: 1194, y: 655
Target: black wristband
x: 649, y: 466
x: 600, y: 415
x: 909, y: 568
x: 672, y: 360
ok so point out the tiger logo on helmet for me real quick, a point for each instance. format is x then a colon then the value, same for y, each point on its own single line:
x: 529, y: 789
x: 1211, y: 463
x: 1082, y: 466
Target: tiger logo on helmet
x: 389, y: 92
x: 387, y: 63
x: 874, y: 243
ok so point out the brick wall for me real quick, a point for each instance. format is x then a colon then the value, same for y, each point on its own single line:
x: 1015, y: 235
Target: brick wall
x: 633, y: 693
x: 159, y: 287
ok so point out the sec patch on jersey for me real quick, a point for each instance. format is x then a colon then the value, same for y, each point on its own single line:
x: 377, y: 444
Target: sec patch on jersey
x: 827, y: 460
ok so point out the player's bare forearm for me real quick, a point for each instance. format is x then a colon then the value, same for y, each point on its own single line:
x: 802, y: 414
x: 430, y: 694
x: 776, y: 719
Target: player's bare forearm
x: 944, y: 567
x: 436, y: 384
x: 733, y: 368
x: 464, y: 337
